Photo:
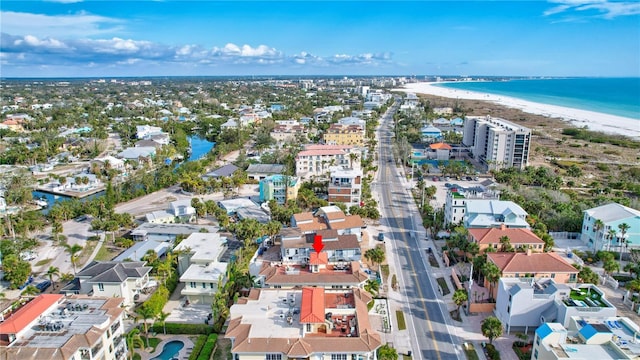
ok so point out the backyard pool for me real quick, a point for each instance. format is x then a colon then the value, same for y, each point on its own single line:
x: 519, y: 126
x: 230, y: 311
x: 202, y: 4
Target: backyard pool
x: 170, y: 350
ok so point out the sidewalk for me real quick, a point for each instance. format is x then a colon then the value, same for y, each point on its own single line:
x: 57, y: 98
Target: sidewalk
x: 466, y: 331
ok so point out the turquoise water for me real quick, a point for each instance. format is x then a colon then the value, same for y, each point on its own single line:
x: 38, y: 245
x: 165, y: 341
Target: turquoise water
x: 170, y: 350
x: 199, y: 147
x: 615, y: 96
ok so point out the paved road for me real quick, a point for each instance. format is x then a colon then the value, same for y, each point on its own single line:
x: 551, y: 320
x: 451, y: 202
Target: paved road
x: 425, y: 311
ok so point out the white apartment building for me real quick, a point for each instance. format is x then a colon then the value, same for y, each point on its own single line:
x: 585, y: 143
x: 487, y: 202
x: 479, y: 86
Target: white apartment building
x: 456, y: 202
x: 200, y: 266
x: 497, y: 143
x: 318, y: 160
x: 345, y: 186
x: 58, y: 327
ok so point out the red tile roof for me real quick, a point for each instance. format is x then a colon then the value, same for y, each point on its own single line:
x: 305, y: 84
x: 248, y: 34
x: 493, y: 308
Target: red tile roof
x: 320, y: 258
x: 530, y: 263
x: 440, y: 146
x: 312, y: 307
x: 28, y: 313
x: 515, y: 235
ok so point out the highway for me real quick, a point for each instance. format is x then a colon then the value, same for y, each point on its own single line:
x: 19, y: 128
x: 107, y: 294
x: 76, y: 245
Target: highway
x: 424, y: 311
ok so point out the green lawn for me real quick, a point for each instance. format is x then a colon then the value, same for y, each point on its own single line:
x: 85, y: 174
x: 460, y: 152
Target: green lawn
x: 400, y: 317
x: 43, y: 262
x: 471, y: 353
x: 442, y: 282
x: 385, y: 271
x: 593, y: 296
x: 106, y: 253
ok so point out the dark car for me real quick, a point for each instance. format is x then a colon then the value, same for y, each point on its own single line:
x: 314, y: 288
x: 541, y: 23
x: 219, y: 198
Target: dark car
x: 380, y: 236
x: 42, y: 286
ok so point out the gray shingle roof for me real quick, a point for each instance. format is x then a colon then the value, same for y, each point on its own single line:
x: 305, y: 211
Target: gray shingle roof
x: 265, y: 168
x: 113, y: 272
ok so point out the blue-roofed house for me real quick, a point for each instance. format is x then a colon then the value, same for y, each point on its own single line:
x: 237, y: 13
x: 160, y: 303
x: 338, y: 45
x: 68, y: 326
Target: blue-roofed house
x: 611, y: 216
x: 430, y: 133
x: 457, y: 122
x: 550, y: 333
x: 481, y: 213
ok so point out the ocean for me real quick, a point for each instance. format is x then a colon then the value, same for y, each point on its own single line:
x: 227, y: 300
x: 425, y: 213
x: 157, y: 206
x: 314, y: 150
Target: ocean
x: 615, y: 96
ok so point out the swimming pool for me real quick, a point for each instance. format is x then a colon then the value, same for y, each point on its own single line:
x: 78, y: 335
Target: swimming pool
x: 170, y: 350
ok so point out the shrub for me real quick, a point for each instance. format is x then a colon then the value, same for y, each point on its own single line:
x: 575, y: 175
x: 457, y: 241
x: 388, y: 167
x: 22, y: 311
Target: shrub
x: 492, y: 352
x: 208, y: 347
x: 197, y: 347
x: 188, y: 329
x: 157, y: 301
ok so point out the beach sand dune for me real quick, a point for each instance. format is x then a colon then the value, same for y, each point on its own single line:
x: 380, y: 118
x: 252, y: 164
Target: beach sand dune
x: 594, y: 121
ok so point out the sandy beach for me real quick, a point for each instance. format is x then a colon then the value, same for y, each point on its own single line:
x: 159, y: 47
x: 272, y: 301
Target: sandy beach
x: 580, y: 118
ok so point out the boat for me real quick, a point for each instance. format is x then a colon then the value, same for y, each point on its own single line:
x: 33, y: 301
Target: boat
x: 41, y: 202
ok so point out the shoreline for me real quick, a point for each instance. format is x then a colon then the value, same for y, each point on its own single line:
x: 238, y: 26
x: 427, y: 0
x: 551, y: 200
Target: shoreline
x: 594, y: 121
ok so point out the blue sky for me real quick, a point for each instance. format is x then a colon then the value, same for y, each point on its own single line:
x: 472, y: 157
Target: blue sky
x: 61, y: 38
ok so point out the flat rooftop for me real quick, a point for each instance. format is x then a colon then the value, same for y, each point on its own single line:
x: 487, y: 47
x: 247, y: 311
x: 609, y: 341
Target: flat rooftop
x: 73, y: 317
x: 267, y: 315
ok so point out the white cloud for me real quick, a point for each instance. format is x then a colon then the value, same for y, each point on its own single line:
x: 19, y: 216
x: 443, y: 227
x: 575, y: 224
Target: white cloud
x: 594, y: 8
x: 32, y: 50
x: 60, y: 26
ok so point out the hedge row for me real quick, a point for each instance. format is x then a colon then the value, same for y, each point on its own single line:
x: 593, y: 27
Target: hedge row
x: 197, y: 347
x: 208, y: 348
x: 189, y: 329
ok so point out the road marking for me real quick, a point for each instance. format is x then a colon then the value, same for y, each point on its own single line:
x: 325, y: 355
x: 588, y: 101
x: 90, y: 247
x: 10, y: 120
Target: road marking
x: 421, y: 295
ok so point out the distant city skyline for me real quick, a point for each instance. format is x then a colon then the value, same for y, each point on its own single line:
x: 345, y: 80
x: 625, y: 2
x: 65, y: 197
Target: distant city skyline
x: 75, y: 38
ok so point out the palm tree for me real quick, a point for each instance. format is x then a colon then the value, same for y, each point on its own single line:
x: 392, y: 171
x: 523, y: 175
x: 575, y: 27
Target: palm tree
x: 56, y: 229
x: 491, y: 328
x: 505, y: 244
x: 375, y: 255
x: 597, y: 226
x: 623, y: 231
x: 30, y: 291
x: 144, y: 313
x: 134, y: 340
x: 51, y: 272
x: 492, y: 275
x: 460, y: 297
x: 386, y: 352
x: 372, y: 287
x: 161, y: 317
x: 73, y: 250
x: 610, y: 236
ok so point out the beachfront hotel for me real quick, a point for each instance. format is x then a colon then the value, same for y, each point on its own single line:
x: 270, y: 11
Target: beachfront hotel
x: 497, y: 143
x: 309, y: 323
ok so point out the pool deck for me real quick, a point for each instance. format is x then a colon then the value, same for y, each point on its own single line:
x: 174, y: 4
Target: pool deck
x: 183, y: 354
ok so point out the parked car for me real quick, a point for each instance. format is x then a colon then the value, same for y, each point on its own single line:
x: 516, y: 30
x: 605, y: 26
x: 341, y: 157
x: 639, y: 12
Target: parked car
x: 42, y: 286
x: 380, y: 236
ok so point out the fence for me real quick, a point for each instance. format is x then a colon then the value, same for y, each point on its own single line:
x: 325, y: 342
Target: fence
x: 565, y: 235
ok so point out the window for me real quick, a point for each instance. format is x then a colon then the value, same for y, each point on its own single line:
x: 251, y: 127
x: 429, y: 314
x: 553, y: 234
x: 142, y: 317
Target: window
x: 273, y: 357
x: 192, y: 284
x: 537, y: 340
x: 553, y: 275
x: 308, y: 328
x: 338, y: 356
x: 211, y: 285
x: 204, y: 285
x: 535, y: 354
x: 101, y: 286
x: 572, y: 277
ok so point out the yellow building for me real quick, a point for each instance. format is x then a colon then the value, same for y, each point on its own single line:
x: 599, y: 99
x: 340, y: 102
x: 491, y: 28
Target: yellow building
x: 339, y: 134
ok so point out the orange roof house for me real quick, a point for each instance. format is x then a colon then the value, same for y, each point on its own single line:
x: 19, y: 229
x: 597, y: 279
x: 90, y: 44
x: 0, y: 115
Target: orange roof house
x: 320, y: 258
x: 440, y: 146
x: 519, y: 238
x: 536, y: 265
